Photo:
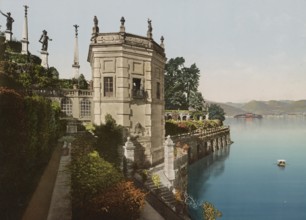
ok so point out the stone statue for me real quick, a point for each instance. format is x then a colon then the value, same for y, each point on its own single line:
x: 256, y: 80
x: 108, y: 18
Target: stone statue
x: 139, y: 130
x: 149, y: 32
x: 96, y: 21
x: 44, y: 40
x: 76, y: 29
x: 150, y: 25
x: 9, y: 20
x: 95, y: 29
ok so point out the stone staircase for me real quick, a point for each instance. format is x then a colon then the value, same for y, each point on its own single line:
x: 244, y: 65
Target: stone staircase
x: 162, y: 192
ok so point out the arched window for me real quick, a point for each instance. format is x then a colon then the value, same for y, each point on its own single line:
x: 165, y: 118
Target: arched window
x: 85, y: 108
x: 66, y: 105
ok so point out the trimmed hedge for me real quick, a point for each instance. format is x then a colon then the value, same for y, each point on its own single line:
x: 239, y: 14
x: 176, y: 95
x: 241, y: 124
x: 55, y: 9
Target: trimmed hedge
x: 28, y: 133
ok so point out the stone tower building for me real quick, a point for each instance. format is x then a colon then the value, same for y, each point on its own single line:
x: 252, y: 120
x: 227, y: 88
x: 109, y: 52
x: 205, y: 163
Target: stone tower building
x: 128, y: 83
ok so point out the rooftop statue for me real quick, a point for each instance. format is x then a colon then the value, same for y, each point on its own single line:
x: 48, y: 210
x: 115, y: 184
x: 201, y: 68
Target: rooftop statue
x: 95, y: 29
x: 44, y: 40
x: 149, y: 32
x: 96, y: 21
x: 76, y: 29
x: 9, y: 20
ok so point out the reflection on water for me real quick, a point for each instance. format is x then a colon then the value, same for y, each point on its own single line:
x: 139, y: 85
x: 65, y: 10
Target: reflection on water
x: 247, y: 183
x: 213, y: 165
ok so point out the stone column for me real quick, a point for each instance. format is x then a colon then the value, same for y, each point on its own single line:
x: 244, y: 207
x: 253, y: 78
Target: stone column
x: 129, y: 151
x: 169, y: 159
x: 208, y: 144
x: 219, y: 143
x: 44, y: 59
x: 214, y: 144
x: 223, y: 141
x: 228, y: 139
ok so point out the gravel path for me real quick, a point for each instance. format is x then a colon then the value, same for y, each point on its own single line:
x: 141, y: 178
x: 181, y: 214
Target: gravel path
x: 38, y: 207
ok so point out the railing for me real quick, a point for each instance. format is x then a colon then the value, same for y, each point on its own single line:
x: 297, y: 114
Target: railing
x: 204, y: 132
x: 61, y: 92
x: 139, y: 94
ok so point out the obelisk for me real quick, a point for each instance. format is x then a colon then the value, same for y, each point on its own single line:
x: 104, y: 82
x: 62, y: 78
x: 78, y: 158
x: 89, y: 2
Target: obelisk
x: 76, y: 64
x: 25, y: 39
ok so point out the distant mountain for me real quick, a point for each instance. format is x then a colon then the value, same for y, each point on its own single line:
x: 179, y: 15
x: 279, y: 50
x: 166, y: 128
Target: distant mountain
x: 230, y: 109
x: 265, y: 107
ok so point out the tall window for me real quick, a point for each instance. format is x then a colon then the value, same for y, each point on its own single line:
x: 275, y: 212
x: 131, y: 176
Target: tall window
x: 85, y: 108
x: 108, y: 86
x: 158, y: 90
x: 66, y: 105
x: 137, y: 90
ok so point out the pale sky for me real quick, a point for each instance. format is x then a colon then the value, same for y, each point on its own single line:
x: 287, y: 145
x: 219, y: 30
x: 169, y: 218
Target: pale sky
x: 246, y: 49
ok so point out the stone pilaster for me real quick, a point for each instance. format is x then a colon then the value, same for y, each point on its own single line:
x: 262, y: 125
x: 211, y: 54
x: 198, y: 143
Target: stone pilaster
x: 169, y: 159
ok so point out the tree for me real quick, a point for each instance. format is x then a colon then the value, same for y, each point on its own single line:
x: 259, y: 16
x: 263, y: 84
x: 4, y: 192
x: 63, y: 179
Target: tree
x: 216, y: 112
x: 196, y: 101
x: 180, y: 83
x: 82, y: 82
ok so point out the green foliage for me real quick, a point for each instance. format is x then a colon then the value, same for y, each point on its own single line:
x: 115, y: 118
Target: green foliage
x: 210, y: 212
x: 180, y: 83
x: 110, y: 138
x: 197, y: 114
x: 29, y: 128
x: 196, y: 101
x: 91, y: 175
x: 97, y: 187
x: 13, y: 46
x: 18, y: 58
x: 82, y: 82
x: 173, y: 127
x: 180, y: 127
x: 216, y: 112
x: 69, y: 83
x: 30, y: 76
x: 156, y: 180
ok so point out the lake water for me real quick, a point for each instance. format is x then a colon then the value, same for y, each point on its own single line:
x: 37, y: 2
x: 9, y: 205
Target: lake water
x: 244, y: 182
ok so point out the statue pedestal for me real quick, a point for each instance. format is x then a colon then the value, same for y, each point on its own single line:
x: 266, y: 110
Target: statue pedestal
x: 8, y: 35
x: 25, y: 47
x: 44, y: 59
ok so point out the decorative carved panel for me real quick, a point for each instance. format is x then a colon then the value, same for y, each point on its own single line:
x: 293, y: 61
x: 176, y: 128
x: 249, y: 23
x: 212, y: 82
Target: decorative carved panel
x: 137, y: 67
x: 109, y: 65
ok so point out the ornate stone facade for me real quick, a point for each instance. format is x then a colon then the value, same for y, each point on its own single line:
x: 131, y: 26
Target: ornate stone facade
x: 128, y: 83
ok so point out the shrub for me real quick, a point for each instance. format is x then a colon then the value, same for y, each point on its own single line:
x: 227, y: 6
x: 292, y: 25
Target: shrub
x: 98, y: 189
x: 13, y: 46
x: 179, y: 127
x: 156, y: 180
x: 123, y: 201
x: 210, y: 212
x: 110, y: 139
x: 91, y: 175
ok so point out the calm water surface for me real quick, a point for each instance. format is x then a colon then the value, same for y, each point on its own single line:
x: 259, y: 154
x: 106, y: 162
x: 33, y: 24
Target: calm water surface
x: 244, y: 182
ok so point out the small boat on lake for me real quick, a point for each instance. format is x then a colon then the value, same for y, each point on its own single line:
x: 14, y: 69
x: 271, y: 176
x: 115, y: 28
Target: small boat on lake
x: 281, y: 163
